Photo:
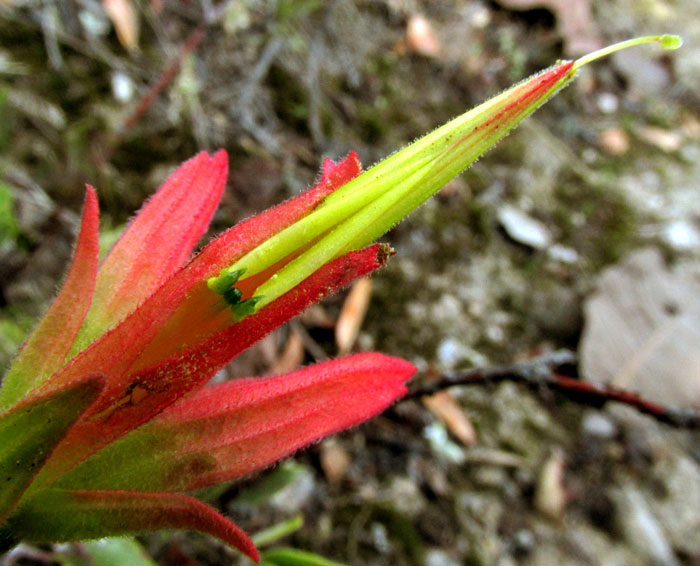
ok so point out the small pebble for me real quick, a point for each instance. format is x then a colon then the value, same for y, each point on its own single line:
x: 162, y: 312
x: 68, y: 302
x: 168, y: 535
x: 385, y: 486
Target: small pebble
x: 94, y: 22
x: 335, y: 460
x: 523, y: 228
x: 563, y: 254
x: 380, y: 538
x: 294, y: 496
x: 524, y: 541
x: 681, y: 235
x: 598, y: 425
x: 641, y: 529
x: 436, y: 557
x: 122, y: 86
x: 440, y: 443
x: 608, y: 103
x: 449, y: 352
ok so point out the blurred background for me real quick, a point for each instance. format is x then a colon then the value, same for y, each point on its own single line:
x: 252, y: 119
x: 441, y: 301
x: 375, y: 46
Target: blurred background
x: 581, y: 230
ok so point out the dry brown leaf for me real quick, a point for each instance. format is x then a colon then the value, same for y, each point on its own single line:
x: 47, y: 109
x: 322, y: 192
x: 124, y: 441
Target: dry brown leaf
x: 574, y: 22
x: 665, y: 140
x: 614, y: 141
x: 446, y: 408
x: 291, y: 357
x: 642, y: 330
x: 317, y: 316
x: 352, y: 315
x: 125, y: 20
x: 335, y: 460
x: 551, y: 497
x: 421, y: 38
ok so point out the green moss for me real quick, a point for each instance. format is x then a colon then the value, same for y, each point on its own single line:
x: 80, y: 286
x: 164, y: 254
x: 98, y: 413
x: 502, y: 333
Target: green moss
x: 291, y: 100
x: 610, y: 223
x: 8, y: 222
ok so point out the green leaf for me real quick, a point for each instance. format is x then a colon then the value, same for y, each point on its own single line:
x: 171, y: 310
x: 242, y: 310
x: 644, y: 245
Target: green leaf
x: 8, y: 222
x: 56, y: 515
x: 280, y: 478
x: 278, y: 531
x: 294, y: 557
x: 30, y: 431
x: 118, y: 551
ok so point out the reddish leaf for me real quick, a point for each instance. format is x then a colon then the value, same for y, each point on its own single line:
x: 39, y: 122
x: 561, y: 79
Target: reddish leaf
x: 131, y: 401
x: 59, y: 515
x: 229, y: 430
x: 48, y: 346
x: 157, y: 243
x: 30, y: 430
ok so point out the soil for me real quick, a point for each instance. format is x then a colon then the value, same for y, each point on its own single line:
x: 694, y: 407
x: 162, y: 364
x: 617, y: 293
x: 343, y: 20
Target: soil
x: 608, y: 166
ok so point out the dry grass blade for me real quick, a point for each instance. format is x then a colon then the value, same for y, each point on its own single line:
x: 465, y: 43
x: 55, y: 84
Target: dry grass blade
x: 125, y: 20
x: 292, y: 356
x: 448, y: 410
x: 352, y: 315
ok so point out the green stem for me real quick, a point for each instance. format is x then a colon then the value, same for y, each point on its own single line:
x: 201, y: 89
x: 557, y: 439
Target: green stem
x: 667, y: 41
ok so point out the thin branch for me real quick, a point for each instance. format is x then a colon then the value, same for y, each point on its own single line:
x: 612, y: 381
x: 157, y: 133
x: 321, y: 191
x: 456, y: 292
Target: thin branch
x: 545, y: 372
x: 164, y: 80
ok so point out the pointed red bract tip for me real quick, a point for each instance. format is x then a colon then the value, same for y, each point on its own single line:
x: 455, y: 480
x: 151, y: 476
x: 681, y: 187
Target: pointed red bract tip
x: 56, y: 515
x: 158, y: 241
x: 336, y: 175
x: 46, y: 349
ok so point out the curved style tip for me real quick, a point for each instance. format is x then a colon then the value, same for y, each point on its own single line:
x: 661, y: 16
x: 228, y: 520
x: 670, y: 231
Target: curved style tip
x: 667, y: 41
x: 671, y: 41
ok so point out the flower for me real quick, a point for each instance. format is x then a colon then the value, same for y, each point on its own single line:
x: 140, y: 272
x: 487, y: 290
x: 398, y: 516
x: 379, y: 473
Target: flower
x: 105, y: 420
x: 122, y: 444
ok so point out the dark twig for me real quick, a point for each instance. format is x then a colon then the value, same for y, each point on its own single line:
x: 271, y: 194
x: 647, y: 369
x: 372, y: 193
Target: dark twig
x: 164, y: 80
x: 545, y: 372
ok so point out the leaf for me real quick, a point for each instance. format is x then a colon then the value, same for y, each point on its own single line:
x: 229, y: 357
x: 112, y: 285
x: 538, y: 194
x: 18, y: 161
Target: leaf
x: 133, y: 400
x: 57, y: 515
x: 352, y: 315
x: 444, y: 406
x: 295, y: 557
x: 232, y: 429
x: 125, y: 20
x: 30, y: 431
x: 278, y: 531
x: 273, y: 482
x: 157, y: 243
x: 45, y: 351
x: 113, y: 551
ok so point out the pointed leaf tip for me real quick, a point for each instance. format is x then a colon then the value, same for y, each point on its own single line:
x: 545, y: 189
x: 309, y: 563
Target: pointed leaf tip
x: 157, y: 242
x: 57, y: 515
x: 46, y: 349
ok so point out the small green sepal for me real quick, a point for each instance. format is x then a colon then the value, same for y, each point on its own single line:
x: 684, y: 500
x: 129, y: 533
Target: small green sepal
x: 245, y: 308
x: 226, y: 279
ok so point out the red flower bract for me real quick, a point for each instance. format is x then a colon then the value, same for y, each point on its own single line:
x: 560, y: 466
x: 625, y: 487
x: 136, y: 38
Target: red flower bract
x: 147, y: 325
